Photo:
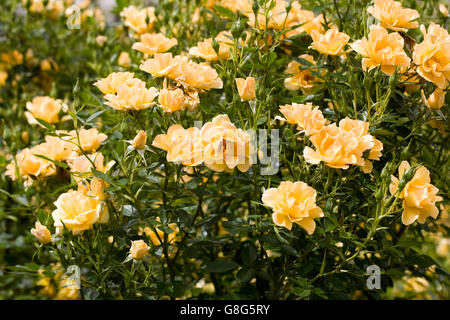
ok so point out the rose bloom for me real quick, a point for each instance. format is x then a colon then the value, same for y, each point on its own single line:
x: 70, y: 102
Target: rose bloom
x: 152, y: 43
x: 124, y: 60
x: 41, y: 233
x: 136, y: 19
x: 301, y: 78
x: 140, y: 140
x: 78, y: 212
x: 29, y: 165
x: 330, y: 43
x: 110, y: 84
x: 419, y: 195
x: 182, y: 145
x: 12, y: 58
x: 436, y: 100
x: 171, y: 100
x: 101, y: 40
x: 90, y: 139
x: 95, y: 188
x: 341, y: 146
x: 246, y: 88
x: 55, y: 148
x: 134, y: 97
x: 82, y: 167
x: 159, y: 234
x: 293, y: 202
x: 226, y: 147
x: 181, y: 69
x: 205, y: 50
x: 138, y: 249
x: 3, y: 77
x: 392, y: 16
x: 43, y: 108
x: 382, y: 49
x: 443, y: 10
x: 277, y: 17
x: 307, y: 117
x: 68, y: 290
x: 432, y: 55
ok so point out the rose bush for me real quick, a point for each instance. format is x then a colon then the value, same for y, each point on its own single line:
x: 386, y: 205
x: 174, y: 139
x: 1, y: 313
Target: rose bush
x: 230, y: 149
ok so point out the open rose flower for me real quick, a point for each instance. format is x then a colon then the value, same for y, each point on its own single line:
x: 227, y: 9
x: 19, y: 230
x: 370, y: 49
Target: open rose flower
x: 152, y: 43
x: 138, y: 20
x: 110, y: 84
x: 382, y: 49
x: 432, y: 55
x: 393, y: 16
x: 139, y: 249
x: 331, y: 43
x: 205, y: 50
x: 419, y: 195
x: 301, y: 78
x: 293, y: 202
x: 78, y: 212
x: 307, y: 117
x: 43, y: 108
x: 182, y: 145
x: 436, y: 100
x: 134, y: 97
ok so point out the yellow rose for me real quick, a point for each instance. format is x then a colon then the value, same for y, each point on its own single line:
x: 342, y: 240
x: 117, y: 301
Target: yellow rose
x: 68, y: 290
x: 392, y: 15
x: 330, y: 43
x: 226, y: 147
x: 341, y: 146
x: 246, y: 88
x: 82, y: 166
x: 90, y: 139
x: 12, y: 58
x: 307, y: 118
x: 78, y: 212
x: 41, y: 233
x: 29, y: 165
x: 443, y: 10
x: 432, y: 55
x: 3, y: 77
x: 205, y: 50
x: 110, y: 84
x: 138, y: 249
x: 124, y: 60
x: 43, y: 108
x: 436, y: 100
x: 156, y: 236
x: 382, y: 49
x: 134, y: 97
x: 161, y: 64
x: 182, y: 145
x: 136, y: 19
x: 301, y: 78
x: 171, y: 100
x: 419, y: 195
x: 293, y: 203
x: 140, y: 140
x: 152, y: 43
x: 55, y: 148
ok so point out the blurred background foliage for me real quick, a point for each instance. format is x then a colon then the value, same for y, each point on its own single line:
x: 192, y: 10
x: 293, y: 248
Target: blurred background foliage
x: 228, y: 246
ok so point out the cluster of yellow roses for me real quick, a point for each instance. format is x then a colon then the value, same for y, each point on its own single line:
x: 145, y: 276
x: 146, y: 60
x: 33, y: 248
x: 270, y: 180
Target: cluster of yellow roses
x: 218, y: 144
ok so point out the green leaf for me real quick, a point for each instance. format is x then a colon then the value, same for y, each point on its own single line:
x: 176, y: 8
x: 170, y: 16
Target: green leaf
x: 221, y: 266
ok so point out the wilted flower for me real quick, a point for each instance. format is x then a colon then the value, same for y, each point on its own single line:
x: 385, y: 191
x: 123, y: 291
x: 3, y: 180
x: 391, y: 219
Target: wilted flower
x: 393, y: 16
x: 152, y: 43
x: 41, y: 233
x: 246, y: 88
x: 132, y: 97
x: 307, y: 117
x: 419, y: 195
x: 138, y: 249
x: 330, y: 43
x: 382, y: 49
x: 436, y: 100
x: 113, y: 81
x: 43, y: 108
x: 293, y: 202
